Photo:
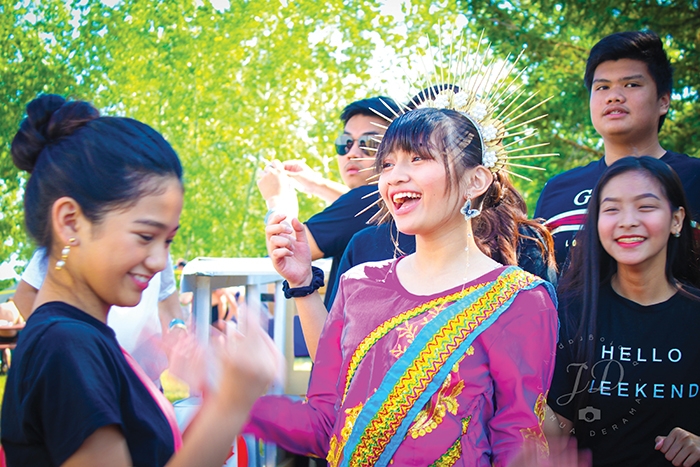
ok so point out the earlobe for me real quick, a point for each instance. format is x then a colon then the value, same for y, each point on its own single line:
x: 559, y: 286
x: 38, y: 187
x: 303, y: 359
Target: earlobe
x: 664, y: 104
x: 677, y: 220
x: 481, y: 181
x: 67, y: 218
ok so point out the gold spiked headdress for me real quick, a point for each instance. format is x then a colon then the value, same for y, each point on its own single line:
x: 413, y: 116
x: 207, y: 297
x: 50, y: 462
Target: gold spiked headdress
x: 488, y: 92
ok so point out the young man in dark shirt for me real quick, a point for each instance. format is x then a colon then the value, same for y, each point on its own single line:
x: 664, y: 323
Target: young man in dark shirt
x: 629, y: 78
x: 330, y: 230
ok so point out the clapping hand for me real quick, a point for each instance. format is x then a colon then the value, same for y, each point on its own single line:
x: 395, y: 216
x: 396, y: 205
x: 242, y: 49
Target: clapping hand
x: 562, y: 453
x: 680, y: 447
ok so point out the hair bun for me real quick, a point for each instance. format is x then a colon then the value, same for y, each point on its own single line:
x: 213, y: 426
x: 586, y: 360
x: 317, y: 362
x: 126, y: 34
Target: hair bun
x: 49, y: 117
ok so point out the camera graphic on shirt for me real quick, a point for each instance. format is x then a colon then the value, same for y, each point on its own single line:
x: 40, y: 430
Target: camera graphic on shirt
x: 589, y: 414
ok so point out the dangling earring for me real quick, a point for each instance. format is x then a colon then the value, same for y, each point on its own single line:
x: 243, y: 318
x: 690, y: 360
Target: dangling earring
x: 394, y: 240
x: 469, y: 214
x: 467, y: 210
x: 64, y: 255
x: 397, y: 250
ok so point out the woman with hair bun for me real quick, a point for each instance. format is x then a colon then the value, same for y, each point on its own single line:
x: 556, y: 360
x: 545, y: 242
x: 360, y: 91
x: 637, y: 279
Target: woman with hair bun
x: 440, y: 357
x: 104, y: 199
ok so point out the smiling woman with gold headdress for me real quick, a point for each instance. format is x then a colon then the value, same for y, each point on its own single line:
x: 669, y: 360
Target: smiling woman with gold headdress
x: 441, y: 357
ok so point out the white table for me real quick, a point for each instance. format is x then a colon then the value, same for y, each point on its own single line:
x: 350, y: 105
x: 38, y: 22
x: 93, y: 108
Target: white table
x: 202, y: 275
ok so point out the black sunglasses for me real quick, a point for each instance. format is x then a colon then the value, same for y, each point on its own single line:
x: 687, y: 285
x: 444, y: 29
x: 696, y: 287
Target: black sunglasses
x: 344, y: 143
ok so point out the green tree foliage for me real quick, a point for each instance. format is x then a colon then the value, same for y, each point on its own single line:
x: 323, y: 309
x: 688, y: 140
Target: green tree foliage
x: 233, y: 87
x: 37, y: 56
x: 557, y: 37
x: 229, y: 89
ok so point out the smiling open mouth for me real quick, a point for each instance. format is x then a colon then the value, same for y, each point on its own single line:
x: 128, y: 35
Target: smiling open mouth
x: 630, y: 240
x: 405, y: 198
x: 141, y: 278
x: 615, y: 112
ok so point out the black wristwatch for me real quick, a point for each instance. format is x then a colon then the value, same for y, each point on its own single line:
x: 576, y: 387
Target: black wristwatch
x: 296, y: 292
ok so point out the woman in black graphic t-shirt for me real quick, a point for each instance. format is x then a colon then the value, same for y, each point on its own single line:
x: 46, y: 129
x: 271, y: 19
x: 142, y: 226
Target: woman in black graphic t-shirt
x: 626, y: 382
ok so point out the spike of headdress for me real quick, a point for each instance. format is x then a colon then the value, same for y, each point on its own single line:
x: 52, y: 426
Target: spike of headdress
x: 489, y: 92
x: 486, y: 90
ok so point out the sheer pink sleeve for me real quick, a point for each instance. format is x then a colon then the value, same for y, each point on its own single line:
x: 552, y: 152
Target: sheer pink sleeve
x: 306, y: 426
x: 521, y: 361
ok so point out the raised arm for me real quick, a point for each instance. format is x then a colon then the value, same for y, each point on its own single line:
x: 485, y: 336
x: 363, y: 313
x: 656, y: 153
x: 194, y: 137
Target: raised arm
x: 314, y: 183
x: 248, y: 365
x: 289, y: 250
x: 305, y: 426
x: 277, y: 191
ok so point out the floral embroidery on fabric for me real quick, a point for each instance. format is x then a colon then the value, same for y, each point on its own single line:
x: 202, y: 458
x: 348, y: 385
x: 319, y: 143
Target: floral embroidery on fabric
x: 430, y: 314
x: 451, y: 457
x: 417, y: 376
x: 336, y: 446
x: 334, y: 451
x: 398, y: 350
x: 432, y: 415
x: 406, y: 333
x: 351, y: 416
x: 453, y: 454
x: 465, y: 424
x: 433, y: 307
x: 536, y: 433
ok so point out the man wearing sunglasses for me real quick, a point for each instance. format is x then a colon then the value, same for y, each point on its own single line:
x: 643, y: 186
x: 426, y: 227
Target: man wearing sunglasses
x: 330, y: 230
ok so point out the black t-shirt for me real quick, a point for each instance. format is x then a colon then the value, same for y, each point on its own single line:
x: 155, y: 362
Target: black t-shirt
x: 68, y: 378
x: 333, y: 227
x: 564, y: 198
x: 645, y: 378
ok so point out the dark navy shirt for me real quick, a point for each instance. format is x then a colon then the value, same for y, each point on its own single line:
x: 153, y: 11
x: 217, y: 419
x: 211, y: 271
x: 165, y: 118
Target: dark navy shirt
x: 68, y: 378
x: 333, y: 227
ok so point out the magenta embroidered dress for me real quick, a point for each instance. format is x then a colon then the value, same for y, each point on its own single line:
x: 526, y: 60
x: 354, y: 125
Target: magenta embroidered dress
x: 480, y: 410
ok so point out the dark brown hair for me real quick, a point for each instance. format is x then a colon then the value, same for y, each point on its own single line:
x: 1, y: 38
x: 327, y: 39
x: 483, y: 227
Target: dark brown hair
x: 103, y: 163
x: 450, y: 136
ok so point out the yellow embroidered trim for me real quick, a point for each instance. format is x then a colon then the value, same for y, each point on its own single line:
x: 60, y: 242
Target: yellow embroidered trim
x: 334, y: 451
x: 383, y: 329
x: 540, y: 404
x: 465, y: 424
x: 453, y: 454
x: 418, y: 375
x: 451, y: 457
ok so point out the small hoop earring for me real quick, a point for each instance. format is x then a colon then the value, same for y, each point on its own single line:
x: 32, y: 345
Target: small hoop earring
x: 467, y: 210
x: 64, y: 254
